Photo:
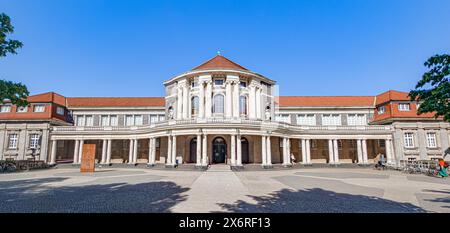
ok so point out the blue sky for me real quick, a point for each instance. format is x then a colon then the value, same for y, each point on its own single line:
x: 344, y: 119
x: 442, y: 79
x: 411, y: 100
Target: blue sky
x: 128, y: 48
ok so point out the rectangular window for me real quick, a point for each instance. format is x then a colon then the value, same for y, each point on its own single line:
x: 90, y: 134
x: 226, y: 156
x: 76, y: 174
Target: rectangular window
x: 153, y: 119
x: 60, y: 111
x: 431, y: 140
x: 157, y: 142
x: 39, y: 108
x: 283, y: 118
x: 105, y: 120
x: 162, y: 118
x: 194, y: 84
x: 306, y: 119
x: 339, y: 143
x: 243, y: 84
x: 5, y: 108
x: 382, y: 143
x: 22, y: 109
x: 89, y: 121
x: 34, y: 140
x: 138, y: 120
x: 80, y: 120
x: 403, y: 107
x: 218, y: 82
x: 313, y: 143
x: 356, y: 119
x: 13, y: 140
x: 409, y: 140
x: 113, y: 120
x: 331, y: 119
x: 129, y: 120
x: 381, y: 109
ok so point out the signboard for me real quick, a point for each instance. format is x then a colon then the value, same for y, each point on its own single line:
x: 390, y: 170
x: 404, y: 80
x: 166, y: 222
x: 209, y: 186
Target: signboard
x: 88, y: 158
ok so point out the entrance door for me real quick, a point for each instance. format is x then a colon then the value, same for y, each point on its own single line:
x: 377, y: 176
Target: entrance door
x: 193, y: 150
x: 244, y: 150
x: 219, y: 150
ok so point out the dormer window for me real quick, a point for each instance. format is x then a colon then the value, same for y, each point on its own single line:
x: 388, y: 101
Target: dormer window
x: 381, y: 109
x: 22, y: 109
x: 403, y: 107
x: 5, y: 108
x: 39, y: 108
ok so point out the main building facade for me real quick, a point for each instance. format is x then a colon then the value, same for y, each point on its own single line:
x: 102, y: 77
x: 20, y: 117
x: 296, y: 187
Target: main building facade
x: 222, y: 113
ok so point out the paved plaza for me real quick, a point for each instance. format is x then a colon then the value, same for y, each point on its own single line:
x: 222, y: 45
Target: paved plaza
x: 219, y: 190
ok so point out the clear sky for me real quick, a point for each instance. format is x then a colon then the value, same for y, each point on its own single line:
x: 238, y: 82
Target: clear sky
x: 128, y: 48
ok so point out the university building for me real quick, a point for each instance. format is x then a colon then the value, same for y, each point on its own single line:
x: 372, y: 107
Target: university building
x: 222, y: 113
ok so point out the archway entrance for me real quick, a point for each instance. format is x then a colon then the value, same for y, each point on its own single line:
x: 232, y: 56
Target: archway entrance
x: 219, y: 150
x: 193, y: 150
x: 244, y: 150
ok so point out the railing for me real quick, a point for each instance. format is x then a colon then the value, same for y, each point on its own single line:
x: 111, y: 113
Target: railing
x: 188, y: 122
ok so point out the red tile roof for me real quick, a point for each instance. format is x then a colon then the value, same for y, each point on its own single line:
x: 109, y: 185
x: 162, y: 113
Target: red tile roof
x: 392, y: 95
x: 219, y: 62
x: 326, y: 101
x: 48, y: 97
x: 116, y: 101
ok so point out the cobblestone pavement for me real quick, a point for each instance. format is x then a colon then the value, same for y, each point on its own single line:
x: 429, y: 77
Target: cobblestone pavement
x: 296, y: 190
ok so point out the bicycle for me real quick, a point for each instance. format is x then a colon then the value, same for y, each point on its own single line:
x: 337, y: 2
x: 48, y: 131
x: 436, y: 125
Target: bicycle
x: 7, y: 167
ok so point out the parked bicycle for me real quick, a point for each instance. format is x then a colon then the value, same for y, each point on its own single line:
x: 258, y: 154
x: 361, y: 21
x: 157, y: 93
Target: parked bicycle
x: 7, y: 166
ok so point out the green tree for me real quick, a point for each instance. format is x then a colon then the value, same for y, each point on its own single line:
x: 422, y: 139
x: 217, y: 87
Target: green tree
x: 15, y: 92
x: 433, y: 90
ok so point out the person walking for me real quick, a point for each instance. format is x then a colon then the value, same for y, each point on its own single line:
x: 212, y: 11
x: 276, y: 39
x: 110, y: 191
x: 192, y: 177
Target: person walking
x: 443, y: 168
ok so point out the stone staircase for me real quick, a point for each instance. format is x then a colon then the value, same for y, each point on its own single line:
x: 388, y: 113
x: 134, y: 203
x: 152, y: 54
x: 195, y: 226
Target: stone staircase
x: 219, y: 168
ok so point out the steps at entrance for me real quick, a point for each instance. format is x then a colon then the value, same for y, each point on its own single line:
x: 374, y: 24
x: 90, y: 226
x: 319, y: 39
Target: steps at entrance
x: 219, y: 168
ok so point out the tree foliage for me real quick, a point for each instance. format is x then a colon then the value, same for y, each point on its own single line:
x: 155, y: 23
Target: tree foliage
x: 15, y: 92
x: 433, y: 90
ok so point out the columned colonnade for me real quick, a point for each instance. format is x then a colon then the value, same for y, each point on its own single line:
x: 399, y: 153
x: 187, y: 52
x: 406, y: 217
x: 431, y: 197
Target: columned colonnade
x: 235, y: 153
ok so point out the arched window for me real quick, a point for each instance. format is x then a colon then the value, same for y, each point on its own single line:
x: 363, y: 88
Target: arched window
x: 243, y: 105
x: 218, y: 106
x: 194, y: 105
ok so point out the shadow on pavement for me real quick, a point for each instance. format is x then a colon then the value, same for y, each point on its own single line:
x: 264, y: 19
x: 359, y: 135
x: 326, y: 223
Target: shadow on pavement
x: 318, y: 200
x: 39, y: 195
x: 445, y: 200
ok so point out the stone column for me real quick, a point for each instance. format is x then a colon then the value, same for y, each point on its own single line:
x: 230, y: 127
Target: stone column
x: 174, y: 149
x: 238, y: 150
x: 103, y: 161
x: 169, y: 150
x: 185, y: 101
x: 304, y: 160
x: 258, y: 103
x: 80, y: 151
x: 208, y: 99
x: 251, y: 102
x: 359, y: 149
x: 389, y: 158
x: 285, y: 156
x: 201, y: 105
x: 53, y: 153
x: 130, y: 152
x: 179, y: 102
x: 330, y: 151
x: 336, y: 151
x: 269, y: 151
x: 289, y: 151
x: 263, y: 150
x: 236, y: 99
x: 75, y: 151
x: 364, y: 151
x: 233, y: 150
x: 153, y: 158
x: 204, y: 150
x: 135, y: 151
x: 199, y: 150
x: 229, y: 100
x: 150, y: 151
x: 108, y: 152
x: 308, y: 151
